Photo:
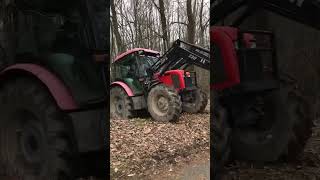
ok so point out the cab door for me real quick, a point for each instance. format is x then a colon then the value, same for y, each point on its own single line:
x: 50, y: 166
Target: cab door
x: 127, y: 70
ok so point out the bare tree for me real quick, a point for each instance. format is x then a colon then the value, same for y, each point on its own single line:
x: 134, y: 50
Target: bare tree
x: 163, y: 18
x: 115, y: 27
x: 156, y: 24
x: 191, y: 21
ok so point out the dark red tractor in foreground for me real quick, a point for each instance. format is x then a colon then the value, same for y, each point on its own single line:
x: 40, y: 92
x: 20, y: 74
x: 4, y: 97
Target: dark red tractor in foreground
x: 53, y: 88
x: 144, y: 80
x: 259, y: 112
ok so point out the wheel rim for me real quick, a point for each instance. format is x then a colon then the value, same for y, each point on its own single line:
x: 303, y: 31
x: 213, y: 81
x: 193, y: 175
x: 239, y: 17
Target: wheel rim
x: 117, y: 106
x: 193, y: 98
x: 161, y: 105
x: 190, y: 98
x: 260, y: 115
x: 25, y: 153
x: 31, y: 143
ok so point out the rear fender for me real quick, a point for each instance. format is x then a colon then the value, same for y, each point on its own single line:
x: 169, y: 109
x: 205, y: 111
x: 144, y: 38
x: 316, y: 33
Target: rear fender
x: 125, y: 87
x: 139, y: 101
x: 56, y: 87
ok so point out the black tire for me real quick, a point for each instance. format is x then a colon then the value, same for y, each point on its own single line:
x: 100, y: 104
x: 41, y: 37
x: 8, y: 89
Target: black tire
x: 164, y: 103
x: 299, y: 110
x: 195, y: 101
x: 121, y: 106
x: 285, y: 137
x: 204, y: 101
x: 36, y: 137
x: 221, y: 135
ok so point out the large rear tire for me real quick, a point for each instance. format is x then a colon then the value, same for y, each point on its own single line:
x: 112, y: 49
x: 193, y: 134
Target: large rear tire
x: 164, y: 103
x: 221, y: 135
x: 286, y: 127
x: 121, y: 106
x: 194, y: 101
x: 36, y: 137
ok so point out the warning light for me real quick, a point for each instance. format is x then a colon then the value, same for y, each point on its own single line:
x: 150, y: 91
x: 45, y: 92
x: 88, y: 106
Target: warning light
x: 188, y: 74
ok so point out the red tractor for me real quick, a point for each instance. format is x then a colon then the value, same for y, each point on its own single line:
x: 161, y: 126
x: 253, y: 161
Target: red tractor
x: 144, y: 80
x: 259, y: 112
x: 53, y: 88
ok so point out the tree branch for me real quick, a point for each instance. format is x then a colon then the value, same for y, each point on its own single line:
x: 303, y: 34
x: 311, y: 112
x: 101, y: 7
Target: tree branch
x: 175, y: 22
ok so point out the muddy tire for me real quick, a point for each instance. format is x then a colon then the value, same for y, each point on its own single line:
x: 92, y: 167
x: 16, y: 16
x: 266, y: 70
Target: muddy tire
x: 221, y: 135
x: 195, y: 101
x: 301, y: 113
x: 36, y: 137
x: 164, y: 103
x: 285, y: 136
x: 121, y: 106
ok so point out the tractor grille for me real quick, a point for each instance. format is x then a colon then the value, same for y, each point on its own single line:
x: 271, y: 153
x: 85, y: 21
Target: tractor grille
x: 188, y: 81
x: 191, y: 81
x: 257, y: 64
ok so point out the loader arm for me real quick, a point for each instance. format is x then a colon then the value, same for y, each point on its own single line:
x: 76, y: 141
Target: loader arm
x: 303, y: 11
x: 181, y: 55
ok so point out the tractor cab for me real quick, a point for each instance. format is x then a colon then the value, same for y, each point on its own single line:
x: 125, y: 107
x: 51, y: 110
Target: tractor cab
x: 61, y: 43
x: 132, y: 67
x: 53, y: 74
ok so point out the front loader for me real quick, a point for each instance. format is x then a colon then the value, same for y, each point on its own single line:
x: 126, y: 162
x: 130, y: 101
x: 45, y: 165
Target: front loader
x: 53, y: 88
x: 144, y: 80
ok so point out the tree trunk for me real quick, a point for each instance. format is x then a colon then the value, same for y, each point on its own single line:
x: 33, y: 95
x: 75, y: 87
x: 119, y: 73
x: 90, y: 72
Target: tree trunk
x: 191, y: 28
x: 116, y: 27
x: 201, y: 25
x: 164, y: 25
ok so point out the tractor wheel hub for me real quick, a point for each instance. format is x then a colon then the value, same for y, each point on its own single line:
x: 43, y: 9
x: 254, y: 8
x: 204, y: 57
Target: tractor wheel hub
x: 163, y: 104
x: 119, y: 107
x: 31, y: 144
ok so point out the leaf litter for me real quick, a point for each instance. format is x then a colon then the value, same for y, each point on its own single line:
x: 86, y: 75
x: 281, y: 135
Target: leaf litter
x: 140, y: 147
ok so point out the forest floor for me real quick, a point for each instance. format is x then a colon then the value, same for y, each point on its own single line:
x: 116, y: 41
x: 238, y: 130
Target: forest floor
x: 306, y: 168
x: 145, y: 149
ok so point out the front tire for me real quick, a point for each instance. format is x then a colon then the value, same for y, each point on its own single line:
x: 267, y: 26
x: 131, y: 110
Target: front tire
x: 36, y: 137
x: 194, y: 101
x: 221, y: 135
x: 286, y: 135
x: 164, y: 103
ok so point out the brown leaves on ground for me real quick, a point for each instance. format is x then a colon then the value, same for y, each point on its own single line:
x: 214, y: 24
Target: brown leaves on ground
x: 141, y: 146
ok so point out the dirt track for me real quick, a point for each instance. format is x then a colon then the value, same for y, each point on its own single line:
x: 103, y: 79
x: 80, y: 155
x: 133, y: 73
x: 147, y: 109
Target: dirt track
x: 198, y: 168
x: 307, y: 168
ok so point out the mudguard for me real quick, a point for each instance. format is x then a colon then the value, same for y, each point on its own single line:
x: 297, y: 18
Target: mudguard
x: 126, y: 88
x: 56, y: 87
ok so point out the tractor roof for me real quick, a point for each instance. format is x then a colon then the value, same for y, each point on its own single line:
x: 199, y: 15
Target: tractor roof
x: 133, y: 51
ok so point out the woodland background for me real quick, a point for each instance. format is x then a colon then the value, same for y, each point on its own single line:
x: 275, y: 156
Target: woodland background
x: 155, y: 24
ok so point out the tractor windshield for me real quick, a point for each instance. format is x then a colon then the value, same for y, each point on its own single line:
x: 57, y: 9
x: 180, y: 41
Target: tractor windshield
x: 150, y: 60
x: 145, y: 63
